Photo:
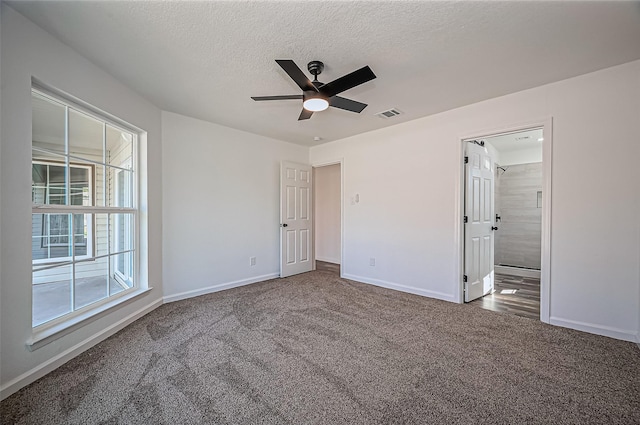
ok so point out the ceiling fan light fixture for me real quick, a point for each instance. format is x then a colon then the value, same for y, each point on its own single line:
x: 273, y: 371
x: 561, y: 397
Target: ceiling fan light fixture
x: 315, y: 104
x: 317, y: 96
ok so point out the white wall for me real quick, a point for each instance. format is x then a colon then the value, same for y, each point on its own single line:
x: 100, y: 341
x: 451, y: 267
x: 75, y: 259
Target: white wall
x: 221, y: 205
x: 27, y: 51
x: 326, y: 185
x: 408, y: 176
x: 1, y: 196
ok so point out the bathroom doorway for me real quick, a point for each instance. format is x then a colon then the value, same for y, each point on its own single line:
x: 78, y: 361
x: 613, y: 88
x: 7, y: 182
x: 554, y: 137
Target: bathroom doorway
x: 516, y: 223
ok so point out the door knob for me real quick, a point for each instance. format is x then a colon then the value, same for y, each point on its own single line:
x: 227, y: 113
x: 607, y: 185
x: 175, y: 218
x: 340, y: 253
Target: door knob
x: 285, y: 225
x: 494, y: 228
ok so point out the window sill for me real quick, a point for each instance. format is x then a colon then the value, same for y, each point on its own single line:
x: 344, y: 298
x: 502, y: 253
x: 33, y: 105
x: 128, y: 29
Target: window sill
x: 48, y: 334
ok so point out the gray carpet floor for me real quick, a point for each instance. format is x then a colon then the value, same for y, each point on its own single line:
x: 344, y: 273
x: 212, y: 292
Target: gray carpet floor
x: 317, y: 349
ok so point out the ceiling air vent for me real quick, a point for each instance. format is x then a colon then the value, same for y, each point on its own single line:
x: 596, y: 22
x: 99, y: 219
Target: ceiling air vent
x: 388, y: 113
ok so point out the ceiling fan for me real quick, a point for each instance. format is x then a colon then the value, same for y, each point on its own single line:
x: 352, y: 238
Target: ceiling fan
x: 317, y: 96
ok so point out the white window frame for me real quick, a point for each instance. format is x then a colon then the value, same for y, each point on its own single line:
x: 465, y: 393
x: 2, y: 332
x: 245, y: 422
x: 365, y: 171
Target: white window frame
x: 126, y: 276
x: 45, y: 330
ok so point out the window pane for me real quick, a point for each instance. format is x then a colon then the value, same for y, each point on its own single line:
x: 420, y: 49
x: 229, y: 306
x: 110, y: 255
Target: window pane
x: 51, y: 292
x: 85, y: 136
x: 48, y: 178
x: 48, y: 123
x: 48, y: 183
x: 50, y: 236
x: 91, y: 282
x: 56, y: 192
x: 101, y: 235
x: 40, y: 155
x: 39, y: 174
x: 80, y: 186
x: 119, y: 147
x: 82, y: 234
x: 122, y: 245
x: 123, y: 265
x: 121, y: 188
x: 102, y: 249
x: 100, y: 186
x: 120, y: 175
x: 38, y: 183
x: 121, y: 226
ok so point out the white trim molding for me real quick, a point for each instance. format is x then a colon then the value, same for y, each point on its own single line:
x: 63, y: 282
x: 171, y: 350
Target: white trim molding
x: 402, y: 288
x: 219, y: 287
x: 328, y: 260
x: 47, y: 333
x: 623, y: 334
x: 53, y: 363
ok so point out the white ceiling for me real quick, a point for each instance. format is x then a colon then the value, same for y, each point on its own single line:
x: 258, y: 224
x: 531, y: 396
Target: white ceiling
x: 205, y: 59
x: 519, y: 141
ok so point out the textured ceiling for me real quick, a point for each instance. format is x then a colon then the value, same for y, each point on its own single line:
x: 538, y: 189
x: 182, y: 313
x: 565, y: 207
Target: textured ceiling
x: 205, y: 59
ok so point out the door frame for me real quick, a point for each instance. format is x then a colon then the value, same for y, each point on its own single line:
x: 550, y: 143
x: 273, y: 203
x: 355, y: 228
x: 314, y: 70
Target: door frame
x: 340, y: 162
x: 546, y: 124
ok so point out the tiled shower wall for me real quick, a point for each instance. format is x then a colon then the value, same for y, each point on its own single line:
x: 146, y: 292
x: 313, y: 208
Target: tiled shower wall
x: 518, y: 239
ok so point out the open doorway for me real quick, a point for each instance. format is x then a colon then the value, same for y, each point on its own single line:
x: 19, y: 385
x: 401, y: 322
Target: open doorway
x: 515, y: 242
x: 328, y: 217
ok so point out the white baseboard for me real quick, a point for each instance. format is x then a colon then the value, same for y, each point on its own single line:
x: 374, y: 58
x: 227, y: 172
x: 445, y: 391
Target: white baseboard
x: 328, y: 260
x: 219, y: 287
x: 623, y: 334
x: 517, y: 271
x: 53, y: 363
x: 401, y: 288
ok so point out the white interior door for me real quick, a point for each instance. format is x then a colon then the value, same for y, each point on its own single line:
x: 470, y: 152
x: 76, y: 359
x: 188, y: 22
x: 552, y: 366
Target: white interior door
x: 295, y: 219
x: 479, y: 222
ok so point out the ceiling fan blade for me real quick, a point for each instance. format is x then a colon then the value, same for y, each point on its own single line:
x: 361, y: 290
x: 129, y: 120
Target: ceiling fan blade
x: 285, y: 97
x: 305, y: 115
x: 347, y: 104
x: 296, y: 74
x: 348, y: 81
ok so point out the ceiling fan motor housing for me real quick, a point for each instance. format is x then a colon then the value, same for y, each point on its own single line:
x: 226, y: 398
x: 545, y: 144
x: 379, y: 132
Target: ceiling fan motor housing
x: 315, y: 68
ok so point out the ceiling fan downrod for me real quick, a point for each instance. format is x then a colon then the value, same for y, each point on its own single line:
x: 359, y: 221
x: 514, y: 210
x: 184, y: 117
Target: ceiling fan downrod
x: 315, y: 68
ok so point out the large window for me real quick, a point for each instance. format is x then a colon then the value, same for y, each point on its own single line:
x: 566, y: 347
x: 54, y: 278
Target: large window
x: 84, y: 216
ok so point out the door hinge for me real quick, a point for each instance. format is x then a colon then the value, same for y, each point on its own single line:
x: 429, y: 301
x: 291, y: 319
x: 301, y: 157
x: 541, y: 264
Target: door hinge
x: 466, y: 219
x: 464, y: 278
x: 466, y: 159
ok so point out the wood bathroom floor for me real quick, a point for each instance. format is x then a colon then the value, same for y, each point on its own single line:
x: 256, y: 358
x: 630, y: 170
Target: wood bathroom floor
x: 525, y: 302
x: 328, y: 267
